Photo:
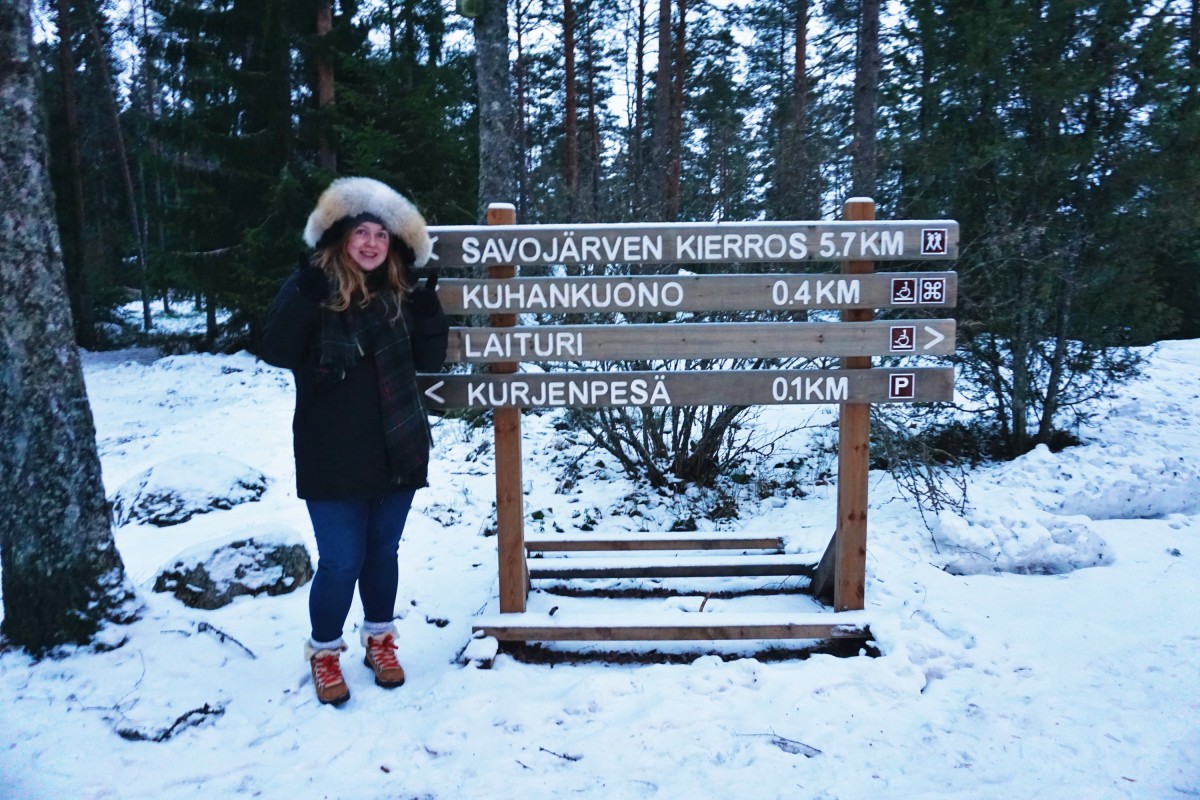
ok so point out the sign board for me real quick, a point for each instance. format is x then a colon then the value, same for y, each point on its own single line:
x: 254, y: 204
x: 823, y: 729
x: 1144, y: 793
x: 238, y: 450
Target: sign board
x: 698, y: 340
x: 693, y: 243
x: 683, y: 293
x: 698, y: 388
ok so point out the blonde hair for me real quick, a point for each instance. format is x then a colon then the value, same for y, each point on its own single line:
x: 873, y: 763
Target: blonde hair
x: 349, y: 281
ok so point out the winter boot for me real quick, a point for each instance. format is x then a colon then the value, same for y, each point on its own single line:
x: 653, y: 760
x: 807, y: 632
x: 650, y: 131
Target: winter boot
x: 381, y: 658
x: 327, y: 673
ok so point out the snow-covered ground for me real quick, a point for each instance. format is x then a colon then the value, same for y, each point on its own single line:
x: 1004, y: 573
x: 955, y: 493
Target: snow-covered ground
x: 1045, y: 643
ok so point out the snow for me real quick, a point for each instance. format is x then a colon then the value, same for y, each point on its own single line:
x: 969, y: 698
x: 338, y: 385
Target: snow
x: 1044, y: 642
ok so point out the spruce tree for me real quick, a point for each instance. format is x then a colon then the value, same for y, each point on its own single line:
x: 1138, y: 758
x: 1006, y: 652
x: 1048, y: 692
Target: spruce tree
x: 1022, y: 129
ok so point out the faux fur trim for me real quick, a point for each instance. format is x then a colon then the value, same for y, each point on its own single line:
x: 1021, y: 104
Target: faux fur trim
x: 310, y: 651
x: 364, y: 635
x: 349, y: 197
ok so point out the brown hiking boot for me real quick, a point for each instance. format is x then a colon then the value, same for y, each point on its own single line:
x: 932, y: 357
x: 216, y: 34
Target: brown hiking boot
x: 327, y: 675
x: 381, y: 658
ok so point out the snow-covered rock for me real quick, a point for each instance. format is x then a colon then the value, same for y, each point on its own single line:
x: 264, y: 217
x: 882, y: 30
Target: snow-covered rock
x: 267, y: 559
x: 175, y: 490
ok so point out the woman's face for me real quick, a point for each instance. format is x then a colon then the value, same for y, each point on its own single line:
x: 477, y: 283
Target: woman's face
x: 367, y: 245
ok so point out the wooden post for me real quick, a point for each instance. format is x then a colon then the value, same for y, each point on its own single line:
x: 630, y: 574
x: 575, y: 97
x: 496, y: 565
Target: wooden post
x: 510, y: 509
x: 854, y: 435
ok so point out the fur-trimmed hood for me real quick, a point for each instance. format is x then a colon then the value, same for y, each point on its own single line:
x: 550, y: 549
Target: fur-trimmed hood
x: 350, y: 197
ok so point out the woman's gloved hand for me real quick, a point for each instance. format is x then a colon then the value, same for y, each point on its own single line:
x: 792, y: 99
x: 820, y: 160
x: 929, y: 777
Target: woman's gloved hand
x: 424, y: 299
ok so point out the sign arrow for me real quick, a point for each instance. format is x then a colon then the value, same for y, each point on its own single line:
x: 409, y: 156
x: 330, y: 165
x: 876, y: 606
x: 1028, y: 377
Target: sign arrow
x: 937, y: 337
x: 431, y: 393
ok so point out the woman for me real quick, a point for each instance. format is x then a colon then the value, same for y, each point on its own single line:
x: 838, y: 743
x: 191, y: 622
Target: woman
x: 354, y: 330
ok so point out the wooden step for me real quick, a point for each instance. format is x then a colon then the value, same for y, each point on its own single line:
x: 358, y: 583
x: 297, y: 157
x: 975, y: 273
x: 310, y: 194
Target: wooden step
x: 671, y: 567
x: 617, y: 542
x: 672, y: 626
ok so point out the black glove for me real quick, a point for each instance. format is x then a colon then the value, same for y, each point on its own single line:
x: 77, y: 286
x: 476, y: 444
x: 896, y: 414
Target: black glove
x: 424, y: 299
x: 313, y: 283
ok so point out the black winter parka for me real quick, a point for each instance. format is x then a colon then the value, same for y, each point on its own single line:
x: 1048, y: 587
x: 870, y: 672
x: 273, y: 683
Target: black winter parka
x: 337, y: 430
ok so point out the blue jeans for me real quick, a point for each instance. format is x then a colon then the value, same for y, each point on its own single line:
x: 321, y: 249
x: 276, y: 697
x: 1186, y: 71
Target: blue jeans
x: 356, y: 543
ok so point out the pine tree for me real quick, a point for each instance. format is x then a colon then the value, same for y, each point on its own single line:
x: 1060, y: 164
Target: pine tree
x: 63, y: 578
x: 497, y: 157
x: 793, y: 145
x: 864, y: 165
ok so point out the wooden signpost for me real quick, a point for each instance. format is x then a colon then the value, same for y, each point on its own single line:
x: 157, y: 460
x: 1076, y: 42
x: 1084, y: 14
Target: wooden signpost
x: 700, y: 341
x: 699, y: 388
x: 712, y: 349
x: 680, y: 293
x: 695, y: 243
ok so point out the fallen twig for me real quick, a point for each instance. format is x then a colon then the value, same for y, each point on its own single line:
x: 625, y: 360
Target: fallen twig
x: 560, y: 755
x: 224, y: 637
x: 192, y: 718
x: 789, y: 745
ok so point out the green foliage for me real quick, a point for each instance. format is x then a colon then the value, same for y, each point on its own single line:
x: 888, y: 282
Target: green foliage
x: 1019, y: 124
x: 1062, y: 137
x: 405, y: 114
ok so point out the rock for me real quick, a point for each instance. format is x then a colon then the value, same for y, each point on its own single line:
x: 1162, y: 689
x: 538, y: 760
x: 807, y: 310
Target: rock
x: 267, y: 560
x: 179, y: 488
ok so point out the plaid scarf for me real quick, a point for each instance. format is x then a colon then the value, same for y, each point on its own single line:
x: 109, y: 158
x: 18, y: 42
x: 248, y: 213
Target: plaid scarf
x: 347, y: 337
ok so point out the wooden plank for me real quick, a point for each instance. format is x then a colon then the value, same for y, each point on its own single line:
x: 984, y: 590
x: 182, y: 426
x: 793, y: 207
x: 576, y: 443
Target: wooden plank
x: 694, y: 242
x: 823, y: 578
x: 622, y: 542
x: 689, y: 293
x: 676, y: 567
x: 701, y: 341
x: 506, y: 422
x: 854, y: 442
x: 667, y: 626
x: 699, y: 388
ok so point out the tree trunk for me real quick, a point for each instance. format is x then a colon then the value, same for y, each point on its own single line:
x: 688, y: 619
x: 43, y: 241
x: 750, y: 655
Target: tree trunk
x: 151, y: 112
x: 661, y: 134
x: 1193, y: 51
x: 62, y: 576
x: 496, y: 156
x: 520, y: 129
x: 863, y: 169
x: 571, y: 114
x: 595, y: 166
x: 636, y: 143
x: 122, y: 155
x: 805, y: 203
x: 675, y: 144
x: 325, y: 87
x: 79, y: 283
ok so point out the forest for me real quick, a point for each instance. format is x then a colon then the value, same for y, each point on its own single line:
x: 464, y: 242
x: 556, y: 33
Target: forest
x: 189, y: 138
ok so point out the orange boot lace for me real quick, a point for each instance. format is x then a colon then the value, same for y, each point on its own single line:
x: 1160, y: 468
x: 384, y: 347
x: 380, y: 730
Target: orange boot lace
x: 327, y: 678
x: 381, y: 658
